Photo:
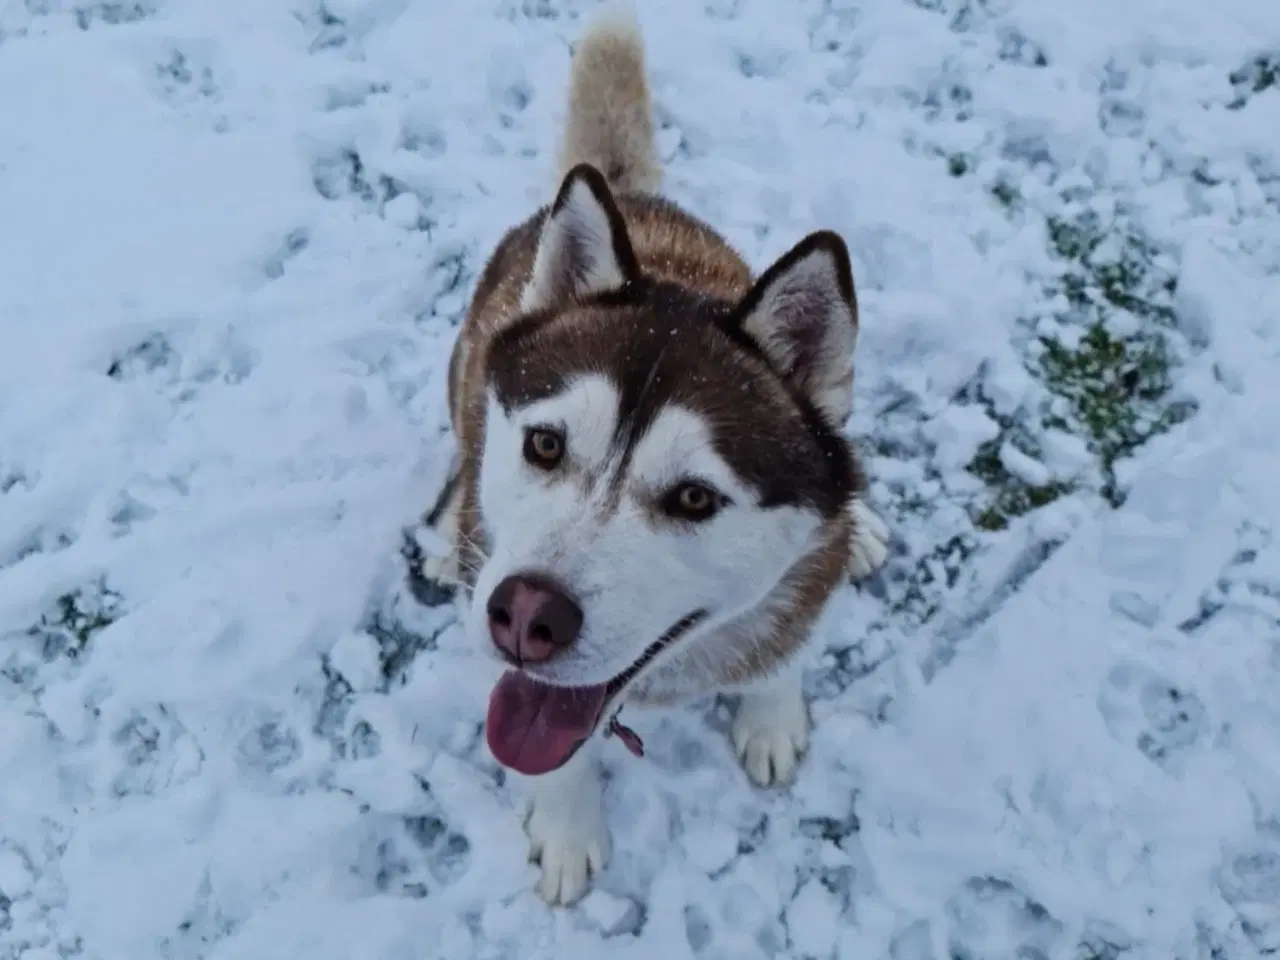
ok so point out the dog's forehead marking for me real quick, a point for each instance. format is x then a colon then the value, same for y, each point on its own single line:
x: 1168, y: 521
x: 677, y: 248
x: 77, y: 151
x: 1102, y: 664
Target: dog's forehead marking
x: 678, y: 444
x: 659, y: 352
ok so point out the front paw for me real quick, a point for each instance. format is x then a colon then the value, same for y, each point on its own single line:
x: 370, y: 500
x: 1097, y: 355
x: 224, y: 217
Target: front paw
x: 442, y: 570
x: 437, y: 548
x: 870, y: 547
x: 770, y: 735
x: 434, y: 574
x: 571, y: 846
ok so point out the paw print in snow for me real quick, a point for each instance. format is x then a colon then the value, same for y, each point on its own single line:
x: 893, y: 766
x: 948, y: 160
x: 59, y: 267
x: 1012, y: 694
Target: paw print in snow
x: 152, y: 355
x: 184, y: 79
x: 422, y: 130
x: 992, y: 917
x: 113, y: 13
x: 1145, y: 709
x: 1250, y: 882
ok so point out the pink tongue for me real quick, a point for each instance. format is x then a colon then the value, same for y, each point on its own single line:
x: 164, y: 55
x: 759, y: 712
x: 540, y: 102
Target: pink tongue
x: 533, y: 727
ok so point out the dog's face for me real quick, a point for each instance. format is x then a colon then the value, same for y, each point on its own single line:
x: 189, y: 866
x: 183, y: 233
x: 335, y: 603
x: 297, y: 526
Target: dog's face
x: 653, y: 465
x: 654, y: 491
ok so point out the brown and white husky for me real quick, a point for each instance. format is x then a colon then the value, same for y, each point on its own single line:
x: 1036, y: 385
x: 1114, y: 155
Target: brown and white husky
x: 653, y: 498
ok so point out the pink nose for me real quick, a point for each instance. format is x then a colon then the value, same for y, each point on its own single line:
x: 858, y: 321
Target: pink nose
x: 532, y: 618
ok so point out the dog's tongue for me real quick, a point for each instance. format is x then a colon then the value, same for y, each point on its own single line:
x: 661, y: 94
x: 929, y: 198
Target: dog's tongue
x: 532, y: 727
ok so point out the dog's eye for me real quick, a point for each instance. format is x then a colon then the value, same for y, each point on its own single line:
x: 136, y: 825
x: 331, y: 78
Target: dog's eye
x: 692, y: 501
x: 543, y: 448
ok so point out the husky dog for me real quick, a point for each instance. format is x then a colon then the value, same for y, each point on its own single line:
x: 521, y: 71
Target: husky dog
x: 652, y: 499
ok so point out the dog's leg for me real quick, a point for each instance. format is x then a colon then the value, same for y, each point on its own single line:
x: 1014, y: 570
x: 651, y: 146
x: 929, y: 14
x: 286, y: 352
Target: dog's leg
x: 567, y: 831
x: 870, y: 540
x: 442, y: 568
x: 771, y: 728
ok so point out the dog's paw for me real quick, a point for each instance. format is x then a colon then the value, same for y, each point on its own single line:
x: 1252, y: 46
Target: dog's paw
x: 440, y: 569
x: 571, y: 845
x: 438, y: 536
x: 770, y: 735
x: 870, y: 541
x: 433, y: 573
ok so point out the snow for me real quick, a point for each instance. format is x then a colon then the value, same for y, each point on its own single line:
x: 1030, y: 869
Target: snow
x: 237, y: 241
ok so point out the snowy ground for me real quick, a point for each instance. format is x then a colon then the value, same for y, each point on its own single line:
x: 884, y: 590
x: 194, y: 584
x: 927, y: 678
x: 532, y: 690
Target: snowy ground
x: 236, y: 240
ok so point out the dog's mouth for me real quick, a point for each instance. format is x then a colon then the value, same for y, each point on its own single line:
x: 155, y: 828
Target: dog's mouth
x: 534, y: 727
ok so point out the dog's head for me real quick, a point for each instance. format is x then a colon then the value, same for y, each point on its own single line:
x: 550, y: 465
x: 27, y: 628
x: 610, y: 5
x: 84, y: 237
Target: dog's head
x: 654, y: 463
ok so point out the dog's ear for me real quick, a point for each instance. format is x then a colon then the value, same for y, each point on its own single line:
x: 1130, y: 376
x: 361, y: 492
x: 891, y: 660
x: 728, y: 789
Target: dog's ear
x: 803, y: 313
x: 584, y: 247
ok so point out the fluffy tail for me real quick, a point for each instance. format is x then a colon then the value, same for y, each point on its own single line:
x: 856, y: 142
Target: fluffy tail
x: 610, y: 123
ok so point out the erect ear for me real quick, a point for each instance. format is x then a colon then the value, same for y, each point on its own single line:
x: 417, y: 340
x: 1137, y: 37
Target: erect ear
x: 804, y: 315
x: 584, y: 247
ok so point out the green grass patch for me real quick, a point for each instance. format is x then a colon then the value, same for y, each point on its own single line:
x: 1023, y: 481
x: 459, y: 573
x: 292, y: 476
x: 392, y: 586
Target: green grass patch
x: 1117, y: 391
x: 1107, y: 374
x: 1113, y: 375
x: 1008, y: 495
x: 1102, y: 356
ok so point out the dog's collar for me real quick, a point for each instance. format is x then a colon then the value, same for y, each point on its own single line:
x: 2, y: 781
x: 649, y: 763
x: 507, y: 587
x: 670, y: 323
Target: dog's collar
x: 630, y: 739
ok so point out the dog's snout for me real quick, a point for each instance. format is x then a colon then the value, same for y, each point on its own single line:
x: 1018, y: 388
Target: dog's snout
x: 532, y: 618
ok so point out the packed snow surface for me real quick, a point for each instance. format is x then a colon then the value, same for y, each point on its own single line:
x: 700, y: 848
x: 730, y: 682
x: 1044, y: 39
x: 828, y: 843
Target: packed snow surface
x: 236, y: 240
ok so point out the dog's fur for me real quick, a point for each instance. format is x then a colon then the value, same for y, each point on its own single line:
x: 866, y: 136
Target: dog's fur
x: 641, y: 338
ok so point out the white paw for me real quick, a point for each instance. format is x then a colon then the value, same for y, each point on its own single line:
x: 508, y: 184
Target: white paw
x: 439, y: 543
x: 571, y: 844
x: 870, y: 541
x: 770, y: 734
x: 443, y: 569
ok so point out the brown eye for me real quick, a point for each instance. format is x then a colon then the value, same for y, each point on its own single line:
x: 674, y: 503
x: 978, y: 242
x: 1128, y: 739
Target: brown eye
x: 543, y: 448
x: 692, y: 501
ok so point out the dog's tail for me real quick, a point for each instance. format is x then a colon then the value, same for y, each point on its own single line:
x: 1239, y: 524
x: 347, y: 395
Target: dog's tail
x: 610, y: 122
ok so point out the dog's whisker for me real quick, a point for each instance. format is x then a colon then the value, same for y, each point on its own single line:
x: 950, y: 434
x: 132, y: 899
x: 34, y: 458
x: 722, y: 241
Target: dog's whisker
x: 441, y: 578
